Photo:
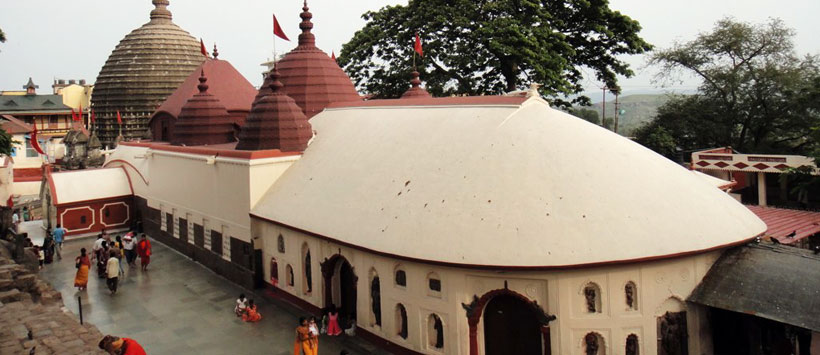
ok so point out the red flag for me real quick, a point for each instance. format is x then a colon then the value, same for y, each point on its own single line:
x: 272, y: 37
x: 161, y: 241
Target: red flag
x: 10, y: 202
x: 202, y: 48
x: 333, y: 55
x: 417, y: 47
x: 92, y: 117
x: 34, y: 143
x: 73, y: 116
x: 119, y: 117
x: 81, y: 112
x: 277, y: 30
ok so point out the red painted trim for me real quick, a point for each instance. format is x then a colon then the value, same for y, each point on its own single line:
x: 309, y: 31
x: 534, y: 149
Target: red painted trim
x: 130, y: 185
x: 434, y: 101
x: 28, y: 179
x: 506, y: 267
x: 126, y: 172
x: 27, y: 174
x: 86, y: 202
x: 51, y: 185
x: 221, y: 150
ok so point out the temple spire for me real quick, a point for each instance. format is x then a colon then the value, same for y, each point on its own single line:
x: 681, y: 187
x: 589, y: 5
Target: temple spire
x: 203, y: 86
x: 415, y: 91
x: 306, y: 38
x: 160, y: 11
x: 216, y: 52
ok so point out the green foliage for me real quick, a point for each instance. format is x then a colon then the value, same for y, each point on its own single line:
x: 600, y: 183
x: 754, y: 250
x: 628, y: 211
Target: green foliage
x: 2, y: 36
x: 586, y: 114
x: 492, y: 46
x: 6, y: 142
x: 657, y: 138
x: 756, y: 95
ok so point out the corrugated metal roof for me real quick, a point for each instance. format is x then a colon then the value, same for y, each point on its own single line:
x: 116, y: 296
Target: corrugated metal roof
x: 775, y: 282
x: 782, y: 222
x: 32, y: 103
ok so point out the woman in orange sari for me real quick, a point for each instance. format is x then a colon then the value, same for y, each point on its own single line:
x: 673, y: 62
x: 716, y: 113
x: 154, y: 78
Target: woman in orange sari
x: 303, y: 339
x: 251, y: 315
x: 83, y: 264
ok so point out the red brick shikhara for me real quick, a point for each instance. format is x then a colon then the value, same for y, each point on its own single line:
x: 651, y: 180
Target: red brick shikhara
x: 203, y: 120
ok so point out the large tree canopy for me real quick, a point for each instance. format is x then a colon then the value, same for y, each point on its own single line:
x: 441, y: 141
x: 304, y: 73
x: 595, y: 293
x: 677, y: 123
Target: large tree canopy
x: 757, y: 95
x: 492, y: 46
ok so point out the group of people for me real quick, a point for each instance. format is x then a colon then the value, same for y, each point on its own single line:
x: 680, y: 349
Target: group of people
x: 108, y: 254
x: 246, y: 309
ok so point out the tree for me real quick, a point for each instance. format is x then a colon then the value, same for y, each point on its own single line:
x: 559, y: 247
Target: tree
x: 586, y: 114
x: 492, y: 46
x: 2, y: 36
x: 756, y: 94
x: 6, y: 143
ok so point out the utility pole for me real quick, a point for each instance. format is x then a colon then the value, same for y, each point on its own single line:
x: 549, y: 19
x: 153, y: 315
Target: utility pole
x: 617, y: 113
x: 603, y: 106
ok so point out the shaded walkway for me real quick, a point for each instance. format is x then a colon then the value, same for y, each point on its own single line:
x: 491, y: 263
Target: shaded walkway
x: 180, y: 307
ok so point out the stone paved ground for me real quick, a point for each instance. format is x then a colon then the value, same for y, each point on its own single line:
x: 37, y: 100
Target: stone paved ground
x: 180, y: 307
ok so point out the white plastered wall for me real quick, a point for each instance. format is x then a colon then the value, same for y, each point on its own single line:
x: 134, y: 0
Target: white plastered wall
x: 661, y: 286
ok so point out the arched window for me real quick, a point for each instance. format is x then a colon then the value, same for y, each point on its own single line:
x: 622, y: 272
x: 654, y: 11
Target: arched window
x: 289, y: 275
x: 401, y: 321
x: 307, y: 276
x: 280, y: 244
x: 632, y: 345
x: 401, y: 278
x: 435, y: 332
x: 375, y: 299
x: 631, y: 294
x: 592, y: 296
x: 433, y: 284
x: 594, y: 344
x: 274, y: 272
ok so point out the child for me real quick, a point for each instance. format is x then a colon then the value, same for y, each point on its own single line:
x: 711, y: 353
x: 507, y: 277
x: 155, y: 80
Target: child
x: 251, y: 315
x: 41, y: 255
x: 314, y: 335
x: 241, y: 305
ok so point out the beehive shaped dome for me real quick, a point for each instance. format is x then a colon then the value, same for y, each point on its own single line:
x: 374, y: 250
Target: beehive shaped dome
x: 310, y: 76
x: 275, y: 122
x: 144, y: 68
x: 203, y: 119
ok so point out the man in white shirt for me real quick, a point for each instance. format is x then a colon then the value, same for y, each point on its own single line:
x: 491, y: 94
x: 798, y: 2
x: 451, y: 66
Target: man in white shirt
x: 129, y: 244
x: 15, y: 220
x: 112, y: 270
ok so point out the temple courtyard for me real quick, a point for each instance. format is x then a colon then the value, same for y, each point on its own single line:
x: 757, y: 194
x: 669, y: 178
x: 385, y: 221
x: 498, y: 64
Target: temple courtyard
x: 180, y: 307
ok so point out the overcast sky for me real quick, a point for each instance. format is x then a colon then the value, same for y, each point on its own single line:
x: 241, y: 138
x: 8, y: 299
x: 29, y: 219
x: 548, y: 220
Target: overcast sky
x: 50, y: 39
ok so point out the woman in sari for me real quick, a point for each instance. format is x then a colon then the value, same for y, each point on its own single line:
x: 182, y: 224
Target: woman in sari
x: 251, y: 314
x: 83, y: 264
x: 303, y: 344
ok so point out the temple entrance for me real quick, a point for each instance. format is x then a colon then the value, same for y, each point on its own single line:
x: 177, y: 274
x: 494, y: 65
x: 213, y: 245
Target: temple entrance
x: 340, y: 287
x: 511, y: 327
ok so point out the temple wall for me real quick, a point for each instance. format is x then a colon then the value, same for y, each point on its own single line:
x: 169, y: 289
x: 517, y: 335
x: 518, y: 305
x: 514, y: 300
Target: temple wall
x: 661, y: 286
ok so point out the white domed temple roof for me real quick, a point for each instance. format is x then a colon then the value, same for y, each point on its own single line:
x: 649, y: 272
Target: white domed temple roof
x: 496, y: 182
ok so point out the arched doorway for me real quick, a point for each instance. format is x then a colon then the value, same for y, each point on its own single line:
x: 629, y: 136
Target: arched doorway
x: 511, y: 327
x: 475, y: 311
x: 340, y: 287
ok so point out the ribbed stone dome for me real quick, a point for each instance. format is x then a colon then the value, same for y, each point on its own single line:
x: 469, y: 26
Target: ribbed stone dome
x: 310, y: 76
x: 142, y: 71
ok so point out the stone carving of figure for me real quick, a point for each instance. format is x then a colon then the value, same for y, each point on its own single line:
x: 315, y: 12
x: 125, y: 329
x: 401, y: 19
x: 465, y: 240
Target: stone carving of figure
x: 590, y: 294
x: 673, y: 333
x: 308, y: 273
x: 281, y: 244
x: 629, y: 290
x: 591, y: 341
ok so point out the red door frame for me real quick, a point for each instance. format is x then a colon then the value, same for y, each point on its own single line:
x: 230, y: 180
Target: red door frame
x: 476, y: 309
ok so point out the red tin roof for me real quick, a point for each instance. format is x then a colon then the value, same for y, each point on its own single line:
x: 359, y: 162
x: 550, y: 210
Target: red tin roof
x: 13, y: 125
x: 275, y: 122
x: 310, y: 76
x: 782, y: 222
x: 203, y: 120
x: 227, y: 85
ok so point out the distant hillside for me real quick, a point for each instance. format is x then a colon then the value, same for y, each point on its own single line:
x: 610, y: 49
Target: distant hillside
x: 639, y: 110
